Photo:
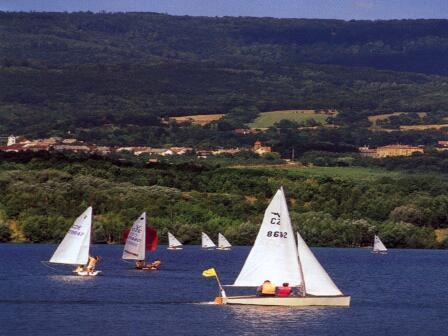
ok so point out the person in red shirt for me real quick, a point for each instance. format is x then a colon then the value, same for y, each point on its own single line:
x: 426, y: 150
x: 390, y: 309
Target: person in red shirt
x: 284, y: 291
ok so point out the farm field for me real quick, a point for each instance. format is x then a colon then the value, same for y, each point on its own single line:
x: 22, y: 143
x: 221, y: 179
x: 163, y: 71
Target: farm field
x: 379, y: 117
x: 422, y: 127
x: 200, y: 119
x: 268, y: 119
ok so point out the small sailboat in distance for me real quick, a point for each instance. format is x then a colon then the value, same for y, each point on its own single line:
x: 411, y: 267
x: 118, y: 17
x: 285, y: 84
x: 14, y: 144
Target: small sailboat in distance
x: 74, y: 248
x: 276, y: 257
x: 139, y: 239
x: 378, y: 246
x: 207, y: 243
x: 173, y: 242
x: 223, y: 243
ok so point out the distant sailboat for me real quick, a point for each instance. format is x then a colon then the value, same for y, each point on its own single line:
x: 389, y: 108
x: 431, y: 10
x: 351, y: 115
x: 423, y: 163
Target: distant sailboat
x: 74, y: 248
x: 276, y: 257
x: 207, y: 243
x: 139, y: 239
x: 223, y: 243
x: 378, y: 246
x: 173, y: 242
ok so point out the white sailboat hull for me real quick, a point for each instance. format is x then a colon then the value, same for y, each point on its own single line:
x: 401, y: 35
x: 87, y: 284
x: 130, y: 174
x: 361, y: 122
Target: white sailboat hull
x: 85, y: 273
x: 292, y: 301
x: 174, y: 248
x: 224, y: 248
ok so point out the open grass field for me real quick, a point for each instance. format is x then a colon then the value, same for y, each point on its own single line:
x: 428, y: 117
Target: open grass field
x: 201, y: 119
x: 268, y: 119
x: 422, y: 127
x: 373, y: 119
x: 356, y: 173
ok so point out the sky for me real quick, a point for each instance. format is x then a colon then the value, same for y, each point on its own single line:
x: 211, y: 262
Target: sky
x: 325, y: 9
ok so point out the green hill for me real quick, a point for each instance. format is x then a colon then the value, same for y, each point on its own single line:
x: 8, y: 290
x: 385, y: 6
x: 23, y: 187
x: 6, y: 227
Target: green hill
x: 109, y: 78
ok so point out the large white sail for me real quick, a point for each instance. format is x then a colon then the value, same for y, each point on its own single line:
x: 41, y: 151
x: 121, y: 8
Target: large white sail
x: 274, y: 254
x: 135, y: 243
x: 223, y: 242
x: 317, y: 280
x: 173, y: 241
x: 378, y: 245
x: 206, y: 241
x: 74, y: 248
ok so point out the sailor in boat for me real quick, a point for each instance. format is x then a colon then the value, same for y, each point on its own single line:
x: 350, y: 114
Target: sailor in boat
x: 284, y: 291
x: 140, y: 264
x: 266, y: 289
x: 80, y: 268
x: 155, y: 265
x: 92, y: 263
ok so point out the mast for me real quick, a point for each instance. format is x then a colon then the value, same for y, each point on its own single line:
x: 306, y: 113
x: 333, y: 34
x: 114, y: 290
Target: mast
x: 302, y: 277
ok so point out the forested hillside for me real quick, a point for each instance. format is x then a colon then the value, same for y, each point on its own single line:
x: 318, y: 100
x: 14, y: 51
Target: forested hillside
x: 57, y: 39
x: 42, y: 194
x: 109, y: 78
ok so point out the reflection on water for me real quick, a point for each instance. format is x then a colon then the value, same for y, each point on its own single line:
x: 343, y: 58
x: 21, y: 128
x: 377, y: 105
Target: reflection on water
x: 265, y: 318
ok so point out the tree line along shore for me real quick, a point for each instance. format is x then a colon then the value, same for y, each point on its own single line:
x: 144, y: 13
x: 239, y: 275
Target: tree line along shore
x: 332, y: 206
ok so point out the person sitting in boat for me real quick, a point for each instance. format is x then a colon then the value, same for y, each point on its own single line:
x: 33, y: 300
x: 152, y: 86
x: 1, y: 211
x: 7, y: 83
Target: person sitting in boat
x: 140, y: 264
x: 155, y: 265
x: 266, y: 289
x: 80, y: 268
x: 92, y: 263
x: 284, y: 291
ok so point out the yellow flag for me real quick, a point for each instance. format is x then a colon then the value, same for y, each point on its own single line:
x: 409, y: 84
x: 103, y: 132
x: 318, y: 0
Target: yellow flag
x: 209, y: 272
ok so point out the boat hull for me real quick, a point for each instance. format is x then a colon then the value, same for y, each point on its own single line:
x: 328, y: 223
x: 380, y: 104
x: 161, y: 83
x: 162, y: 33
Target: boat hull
x: 84, y: 273
x: 223, y: 248
x: 292, y: 301
x: 174, y: 248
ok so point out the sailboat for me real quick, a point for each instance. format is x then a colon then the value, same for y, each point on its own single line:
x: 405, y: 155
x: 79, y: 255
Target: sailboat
x: 173, y: 242
x: 139, y: 239
x: 378, y: 246
x: 223, y: 243
x: 74, y: 248
x: 276, y: 257
x: 207, y: 243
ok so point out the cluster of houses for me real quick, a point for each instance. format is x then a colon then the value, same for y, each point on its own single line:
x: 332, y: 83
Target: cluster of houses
x: 390, y: 150
x: 58, y: 144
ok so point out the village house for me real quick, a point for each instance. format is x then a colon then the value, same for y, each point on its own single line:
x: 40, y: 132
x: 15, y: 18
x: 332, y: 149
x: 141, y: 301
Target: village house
x: 231, y: 151
x: 391, y: 150
x: 260, y: 149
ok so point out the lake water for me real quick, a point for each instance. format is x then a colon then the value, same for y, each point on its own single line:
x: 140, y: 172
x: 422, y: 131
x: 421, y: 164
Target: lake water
x: 402, y: 293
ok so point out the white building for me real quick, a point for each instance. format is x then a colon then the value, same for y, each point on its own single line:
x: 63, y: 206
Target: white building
x: 11, y: 140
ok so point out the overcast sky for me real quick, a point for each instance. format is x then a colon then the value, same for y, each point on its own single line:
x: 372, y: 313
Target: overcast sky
x: 339, y: 9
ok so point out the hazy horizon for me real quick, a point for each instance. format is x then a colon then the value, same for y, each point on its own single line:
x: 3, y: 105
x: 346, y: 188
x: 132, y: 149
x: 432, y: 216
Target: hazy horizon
x: 324, y: 9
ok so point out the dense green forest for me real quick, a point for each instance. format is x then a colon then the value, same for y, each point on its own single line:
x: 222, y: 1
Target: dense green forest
x: 109, y: 78
x: 42, y: 194
x: 115, y: 79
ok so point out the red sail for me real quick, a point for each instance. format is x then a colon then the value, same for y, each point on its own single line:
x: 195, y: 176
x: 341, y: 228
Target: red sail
x: 125, y: 235
x: 151, y: 239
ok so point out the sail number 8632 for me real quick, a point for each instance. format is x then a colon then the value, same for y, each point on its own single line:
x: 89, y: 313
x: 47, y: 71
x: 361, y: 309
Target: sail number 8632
x: 277, y: 234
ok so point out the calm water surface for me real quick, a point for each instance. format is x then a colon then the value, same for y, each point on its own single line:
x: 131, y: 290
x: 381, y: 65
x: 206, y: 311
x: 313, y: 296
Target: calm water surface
x: 402, y: 293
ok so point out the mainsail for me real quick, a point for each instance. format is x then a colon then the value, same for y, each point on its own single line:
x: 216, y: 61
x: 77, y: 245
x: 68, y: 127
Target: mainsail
x: 74, y: 248
x: 223, y: 242
x: 206, y: 241
x: 317, y: 280
x: 378, y: 245
x: 173, y: 241
x: 136, y: 240
x: 274, y: 254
